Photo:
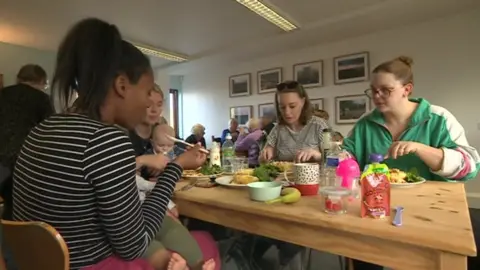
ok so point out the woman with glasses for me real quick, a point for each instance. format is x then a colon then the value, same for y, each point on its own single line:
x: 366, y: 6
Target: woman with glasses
x: 298, y: 135
x: 411, y: 132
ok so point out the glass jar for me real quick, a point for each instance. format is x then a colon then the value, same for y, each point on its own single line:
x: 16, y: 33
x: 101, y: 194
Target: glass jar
x: 334, y: 200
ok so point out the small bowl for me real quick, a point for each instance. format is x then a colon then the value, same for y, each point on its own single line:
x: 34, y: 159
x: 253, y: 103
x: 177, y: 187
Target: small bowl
x: 334, y: 200
x: 264, y: 191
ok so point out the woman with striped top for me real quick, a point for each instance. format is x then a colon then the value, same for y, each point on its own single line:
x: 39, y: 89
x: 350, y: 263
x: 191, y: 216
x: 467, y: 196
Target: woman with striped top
x: 76, y: 171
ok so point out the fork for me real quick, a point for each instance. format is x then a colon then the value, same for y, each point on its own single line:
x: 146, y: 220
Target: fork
x: 189, y: 186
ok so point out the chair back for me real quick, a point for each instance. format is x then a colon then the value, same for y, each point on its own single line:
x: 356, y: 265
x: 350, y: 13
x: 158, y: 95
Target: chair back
x: 35, y: 245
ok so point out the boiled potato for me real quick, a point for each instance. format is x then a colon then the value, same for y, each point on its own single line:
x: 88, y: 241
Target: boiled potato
x: 243, y: 179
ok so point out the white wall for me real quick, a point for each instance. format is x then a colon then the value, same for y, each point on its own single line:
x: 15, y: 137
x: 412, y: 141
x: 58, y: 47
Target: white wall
x: 447, y: 72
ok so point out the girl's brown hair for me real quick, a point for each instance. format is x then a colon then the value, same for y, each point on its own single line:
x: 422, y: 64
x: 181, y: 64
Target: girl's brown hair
x: 400, y: 67
x: 294, y: 87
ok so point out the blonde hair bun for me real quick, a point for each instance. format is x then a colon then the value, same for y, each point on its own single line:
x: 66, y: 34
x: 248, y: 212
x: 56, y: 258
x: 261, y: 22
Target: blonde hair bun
x: 406, y: 60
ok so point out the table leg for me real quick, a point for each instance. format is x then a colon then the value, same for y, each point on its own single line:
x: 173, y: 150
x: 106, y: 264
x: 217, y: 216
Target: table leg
x: 449, y: 261
x: 306, y: 258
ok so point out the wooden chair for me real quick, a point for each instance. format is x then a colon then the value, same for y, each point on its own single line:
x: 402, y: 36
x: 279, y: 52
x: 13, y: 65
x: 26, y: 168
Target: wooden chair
x: 35, y: 245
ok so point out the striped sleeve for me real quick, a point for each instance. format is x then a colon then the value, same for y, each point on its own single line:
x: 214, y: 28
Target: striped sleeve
x: 109, y: 165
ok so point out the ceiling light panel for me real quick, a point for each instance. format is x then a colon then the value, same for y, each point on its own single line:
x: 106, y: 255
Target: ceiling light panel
x: 161, y: 54
x: 268, y: 14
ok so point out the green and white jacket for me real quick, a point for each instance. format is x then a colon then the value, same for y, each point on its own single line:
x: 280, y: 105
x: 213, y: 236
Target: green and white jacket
x: 430, y: 125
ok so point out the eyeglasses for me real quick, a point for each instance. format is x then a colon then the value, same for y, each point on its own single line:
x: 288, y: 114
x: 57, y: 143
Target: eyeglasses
x: 382, y: 92
x: 287, y: 85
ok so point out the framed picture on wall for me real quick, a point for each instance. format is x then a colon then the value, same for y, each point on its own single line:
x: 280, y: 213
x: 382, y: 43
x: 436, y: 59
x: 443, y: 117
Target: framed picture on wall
x: 268, y: 79
x: 1, y: 81
x: 317, y: 103
x: 309, y: 74
x: 241, y: 113
x: 348, y: 109
x: 351, y: 68
x: 240, y: 85
x: 267, y: 110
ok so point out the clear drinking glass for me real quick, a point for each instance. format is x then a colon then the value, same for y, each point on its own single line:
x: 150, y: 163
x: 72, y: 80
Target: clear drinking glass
x: 238, y: 163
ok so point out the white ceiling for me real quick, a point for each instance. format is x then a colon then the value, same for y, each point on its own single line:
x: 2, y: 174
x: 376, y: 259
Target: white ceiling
x: 215, y: 29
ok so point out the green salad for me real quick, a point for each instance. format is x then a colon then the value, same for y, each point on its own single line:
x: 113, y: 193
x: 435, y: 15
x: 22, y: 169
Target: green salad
x: 210, y: 170
x: 266, y: 172
x: 413, y: 177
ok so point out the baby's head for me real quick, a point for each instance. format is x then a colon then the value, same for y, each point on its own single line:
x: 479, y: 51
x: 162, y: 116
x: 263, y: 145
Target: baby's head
x: 161, y: 143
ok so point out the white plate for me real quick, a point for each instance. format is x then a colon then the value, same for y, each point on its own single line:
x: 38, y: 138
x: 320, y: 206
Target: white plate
x: 226, y: 181
x: 407, y: 185
x: 202, y: 176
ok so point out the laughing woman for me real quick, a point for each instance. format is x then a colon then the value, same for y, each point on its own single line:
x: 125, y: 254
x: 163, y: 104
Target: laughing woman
x: 76, y: 171
x: 412, y: 132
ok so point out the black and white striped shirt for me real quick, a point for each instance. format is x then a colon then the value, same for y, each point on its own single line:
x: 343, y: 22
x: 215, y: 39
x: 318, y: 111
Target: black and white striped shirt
x: 78, y: 175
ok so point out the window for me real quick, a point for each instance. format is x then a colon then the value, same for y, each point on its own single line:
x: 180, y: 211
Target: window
x: 174, y: 122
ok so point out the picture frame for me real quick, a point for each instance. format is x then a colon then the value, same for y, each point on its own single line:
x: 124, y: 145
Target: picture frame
x: 351, y: 68
x: 268, y: 79
x: 309, y: 74
x: 241, y: 113
x: 267, y: 110
x: 317, y: 103
x: 348, y: 109
x: 240, y: 85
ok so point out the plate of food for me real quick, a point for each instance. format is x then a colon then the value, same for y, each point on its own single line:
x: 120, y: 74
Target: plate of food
x: 239, y: 179
x: 401, y: 179
x: 283, y: 166
x: 206, y: 171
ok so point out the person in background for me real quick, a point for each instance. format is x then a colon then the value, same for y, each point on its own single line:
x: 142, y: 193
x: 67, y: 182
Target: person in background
x: 232, y: 130
x: 22, y: 106
x: 249, y: 141
x: 412, y: 133
x: 197, y: 136
x: 266, y: 125
x: 140, y: 136
x: 86, y: 158
x: 321, y: 114
x: 337, y: 137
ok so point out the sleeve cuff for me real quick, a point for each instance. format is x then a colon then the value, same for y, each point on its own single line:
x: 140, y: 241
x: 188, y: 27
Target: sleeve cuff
x: 171, y: 205
x: 452, y: 161
x: 175, y: 169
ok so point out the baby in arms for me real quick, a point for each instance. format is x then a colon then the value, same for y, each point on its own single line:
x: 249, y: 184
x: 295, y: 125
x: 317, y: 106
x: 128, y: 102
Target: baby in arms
x: 161, y: 146
x: 190, y: 250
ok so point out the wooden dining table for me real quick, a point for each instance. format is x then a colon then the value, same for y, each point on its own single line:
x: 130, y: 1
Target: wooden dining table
x: 436, y: 231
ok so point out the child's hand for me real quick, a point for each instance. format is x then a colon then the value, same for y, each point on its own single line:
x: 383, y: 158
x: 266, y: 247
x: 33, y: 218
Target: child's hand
x: 153, y: 162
